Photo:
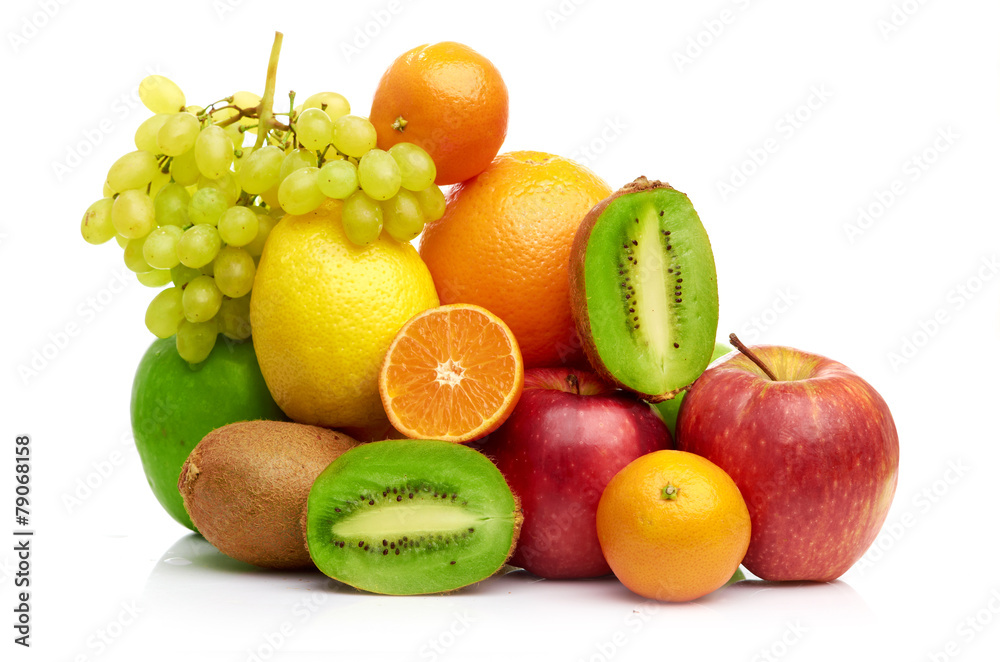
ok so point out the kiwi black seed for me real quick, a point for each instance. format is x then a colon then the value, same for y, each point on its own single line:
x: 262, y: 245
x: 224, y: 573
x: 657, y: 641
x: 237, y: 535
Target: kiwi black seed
x: 411, y: 516
x: 643, y: 289
x: 245, y: 487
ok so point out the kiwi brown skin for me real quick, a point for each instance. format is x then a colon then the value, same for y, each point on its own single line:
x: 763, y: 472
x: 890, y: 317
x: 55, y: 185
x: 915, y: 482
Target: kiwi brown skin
x: 580, y: 296
x: 245, y: 487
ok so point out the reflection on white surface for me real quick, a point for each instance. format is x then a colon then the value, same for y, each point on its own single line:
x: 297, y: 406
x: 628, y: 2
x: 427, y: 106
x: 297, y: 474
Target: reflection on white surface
x: 240, y: 612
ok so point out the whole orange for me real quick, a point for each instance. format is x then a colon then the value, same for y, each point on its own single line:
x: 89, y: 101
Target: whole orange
x: 448, y: 99
x: 673, y: 526
x: 504, y: 243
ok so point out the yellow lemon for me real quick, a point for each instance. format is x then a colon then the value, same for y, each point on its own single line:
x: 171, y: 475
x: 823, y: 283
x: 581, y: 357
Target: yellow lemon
x: 323, y: 313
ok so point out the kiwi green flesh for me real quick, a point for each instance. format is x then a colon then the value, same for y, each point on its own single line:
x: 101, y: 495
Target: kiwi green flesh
x: 405, y: 517
x: 652, y: 296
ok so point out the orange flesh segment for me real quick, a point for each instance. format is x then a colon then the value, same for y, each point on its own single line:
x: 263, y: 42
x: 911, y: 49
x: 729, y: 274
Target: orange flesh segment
x: 451, y: 373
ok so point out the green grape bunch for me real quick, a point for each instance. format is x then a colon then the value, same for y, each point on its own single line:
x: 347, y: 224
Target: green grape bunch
x: 193, y: 205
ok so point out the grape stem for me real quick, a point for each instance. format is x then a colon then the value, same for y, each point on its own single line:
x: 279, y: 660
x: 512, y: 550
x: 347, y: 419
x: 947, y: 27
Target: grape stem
x: 267, y: 101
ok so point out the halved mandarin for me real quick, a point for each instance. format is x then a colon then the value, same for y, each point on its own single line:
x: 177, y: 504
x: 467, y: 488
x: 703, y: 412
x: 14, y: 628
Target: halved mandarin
x: 452, y: 373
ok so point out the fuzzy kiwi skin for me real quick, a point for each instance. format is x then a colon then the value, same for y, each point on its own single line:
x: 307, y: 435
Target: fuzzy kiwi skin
x: 245, y: 487
x: 578, y: 292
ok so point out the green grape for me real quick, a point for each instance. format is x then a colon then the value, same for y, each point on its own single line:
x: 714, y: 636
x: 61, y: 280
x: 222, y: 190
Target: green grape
x: 202, y: 299
x: 160, y: 249
x: 160, y: 94
x: 181, y: 275
x: 270, y: 197
x: 160, y: 179
x: 234, y: 271
x: 378, y: 174
x: 265, y: 223
x: 198, y: 245
x: 246, y: 101
x: 353, y: 135
x: 171, y: 205
x: 313, y: 129
x: 299, y: 193
x: 261, y: 170
x: 195, y: 340
x: 184, y: 169
x: 96, y: 226
x: 134, y: 259
x: 416, y: 166
x: 207, y: 206
x: 133, y: 215
x: 432, y: 202
x: 165, y: 312
x: 178, y: 134
x: 227, y: 184
x: 403, y: 217
x: 225, y: 114
x: 234, y: 318
x: 133, y: 170
x: 121, y: 241
x: 145, y: 135
x: 154, y: 277
x: 194, y: 110
x: 338, y: 179
x: 208, y: 269
x: 362, y: 218
x: 295, y: 159
x: 107, y: 191
x: 213, y: 152
x: 238, y: 226
x: 334, y: 105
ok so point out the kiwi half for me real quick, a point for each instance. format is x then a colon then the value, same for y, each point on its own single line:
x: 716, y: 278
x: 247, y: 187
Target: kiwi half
x: 410, y: 516
x: 643, y: 289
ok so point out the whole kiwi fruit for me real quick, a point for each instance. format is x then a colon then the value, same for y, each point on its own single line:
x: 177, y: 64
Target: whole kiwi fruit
x: 245, y: 487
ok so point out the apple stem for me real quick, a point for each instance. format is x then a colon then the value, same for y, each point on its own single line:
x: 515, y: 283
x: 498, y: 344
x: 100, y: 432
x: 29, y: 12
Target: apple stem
x: 574, y: 383
x: 738, y: 344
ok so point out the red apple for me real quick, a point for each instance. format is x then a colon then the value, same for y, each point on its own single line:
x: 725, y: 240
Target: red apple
x: 568, y: 435
x: 812, y: 447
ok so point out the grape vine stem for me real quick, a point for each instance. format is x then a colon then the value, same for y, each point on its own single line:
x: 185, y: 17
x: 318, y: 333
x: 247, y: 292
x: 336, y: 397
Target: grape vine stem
x: 267, y: 101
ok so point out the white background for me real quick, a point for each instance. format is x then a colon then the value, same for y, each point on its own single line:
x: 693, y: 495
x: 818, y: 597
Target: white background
x: 113, y: 577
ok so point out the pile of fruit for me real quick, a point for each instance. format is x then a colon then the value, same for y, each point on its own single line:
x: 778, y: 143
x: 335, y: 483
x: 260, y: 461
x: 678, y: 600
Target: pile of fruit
x: 538, y: 385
